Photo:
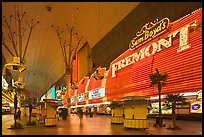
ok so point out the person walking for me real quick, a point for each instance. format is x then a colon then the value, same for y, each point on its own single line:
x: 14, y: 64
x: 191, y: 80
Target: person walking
x: 80, y: 114
x: 19, y: 114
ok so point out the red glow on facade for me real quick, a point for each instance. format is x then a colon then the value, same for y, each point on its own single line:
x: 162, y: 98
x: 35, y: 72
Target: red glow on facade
x: 183, y: 67
x: 96, y: 84
x: 81, y: 89
x: 72, y: 94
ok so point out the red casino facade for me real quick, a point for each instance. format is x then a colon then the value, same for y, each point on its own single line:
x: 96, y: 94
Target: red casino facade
x: 176, y: 51
x: 174, y: 48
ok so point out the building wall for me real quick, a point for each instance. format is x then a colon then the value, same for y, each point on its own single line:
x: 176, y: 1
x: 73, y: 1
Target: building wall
x: 84, y: 61
x: 117, y: 40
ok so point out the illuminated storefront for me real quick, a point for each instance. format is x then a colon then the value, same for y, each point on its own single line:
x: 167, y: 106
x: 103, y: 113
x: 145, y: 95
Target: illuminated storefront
x: 90, y: 94
x: 96, y: 89
x: 73, y: 99
x: 97, y: 93
x: 7, y: 98
x: 174, y: 48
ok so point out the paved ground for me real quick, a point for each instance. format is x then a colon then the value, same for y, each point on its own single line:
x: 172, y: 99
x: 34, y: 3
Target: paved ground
x: 98, y: 125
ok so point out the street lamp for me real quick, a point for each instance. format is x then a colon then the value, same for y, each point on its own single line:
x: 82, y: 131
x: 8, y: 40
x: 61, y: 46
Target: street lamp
x: 15, y: 65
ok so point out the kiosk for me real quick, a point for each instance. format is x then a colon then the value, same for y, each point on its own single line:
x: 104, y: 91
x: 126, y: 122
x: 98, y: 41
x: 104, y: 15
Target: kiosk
x: 135, y: 112
x: 51, y: 116
x: 117, y: 109
x: 47, y: 115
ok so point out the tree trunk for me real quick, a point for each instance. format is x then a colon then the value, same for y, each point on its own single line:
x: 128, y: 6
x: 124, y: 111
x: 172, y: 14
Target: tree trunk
x: 160, y: 113
x: 160, y: 117
x: 29, y: 118
x: 174, y: 114
x: 30, y: 113
x: 68, y: 91
x: 15, y: 108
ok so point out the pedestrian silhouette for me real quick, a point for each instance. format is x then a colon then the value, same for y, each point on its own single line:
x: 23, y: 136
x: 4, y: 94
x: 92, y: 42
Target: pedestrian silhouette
x: 80, y: 114
x: 19, y: 114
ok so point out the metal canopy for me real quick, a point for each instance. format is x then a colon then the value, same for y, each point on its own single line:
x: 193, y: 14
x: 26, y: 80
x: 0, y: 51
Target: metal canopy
x: 44, y: 60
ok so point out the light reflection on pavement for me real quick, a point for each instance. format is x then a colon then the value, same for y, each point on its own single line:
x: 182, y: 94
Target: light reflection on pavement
x: 97, y: 125
x: 7, y: 118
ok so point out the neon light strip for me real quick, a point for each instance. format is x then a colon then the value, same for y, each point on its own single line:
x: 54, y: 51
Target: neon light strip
x: 98, y: 104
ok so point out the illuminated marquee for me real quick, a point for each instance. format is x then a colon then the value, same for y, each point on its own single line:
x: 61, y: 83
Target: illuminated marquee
x: 80, y: 97
x: 97, y: 93
x: 155, y: 47
x: 72, y: 100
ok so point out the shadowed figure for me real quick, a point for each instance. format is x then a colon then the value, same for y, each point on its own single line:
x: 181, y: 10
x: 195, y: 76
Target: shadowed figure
x: 80, y: 114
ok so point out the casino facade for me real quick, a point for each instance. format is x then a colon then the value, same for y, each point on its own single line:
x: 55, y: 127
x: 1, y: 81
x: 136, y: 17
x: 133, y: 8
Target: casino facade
x: 174, y: 48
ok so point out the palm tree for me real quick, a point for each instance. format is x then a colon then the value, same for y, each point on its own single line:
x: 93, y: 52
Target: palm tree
x: 172, y: 101
x: 160, y: 80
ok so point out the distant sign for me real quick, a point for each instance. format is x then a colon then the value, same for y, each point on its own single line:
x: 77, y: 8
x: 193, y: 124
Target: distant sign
x: 199, y: 94
x: 195, y: 106
x: 80, y: 97
x: 148, y: 31
x: 72, y: 99
x: 4, y: 83
x: 64, y: 88
x: 59, y: 94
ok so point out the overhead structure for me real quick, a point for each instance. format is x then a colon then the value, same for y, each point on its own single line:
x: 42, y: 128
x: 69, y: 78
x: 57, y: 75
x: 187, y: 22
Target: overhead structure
x: 42, y: 55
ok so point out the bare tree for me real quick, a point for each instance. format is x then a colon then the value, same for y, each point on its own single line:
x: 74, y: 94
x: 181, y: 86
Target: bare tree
x: 69, y: 54
x: 13, y: 36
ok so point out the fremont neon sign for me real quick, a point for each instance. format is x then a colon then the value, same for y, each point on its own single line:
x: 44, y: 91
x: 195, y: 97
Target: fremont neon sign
x: 156, y: 47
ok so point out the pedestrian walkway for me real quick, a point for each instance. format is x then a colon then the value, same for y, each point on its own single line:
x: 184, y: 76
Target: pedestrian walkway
x: 100, y: 125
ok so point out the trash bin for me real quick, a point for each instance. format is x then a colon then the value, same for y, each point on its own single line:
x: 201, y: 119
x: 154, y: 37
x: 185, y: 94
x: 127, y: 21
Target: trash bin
x: 62, y: 113
x: 157, y: 120
x: 91, y: 114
